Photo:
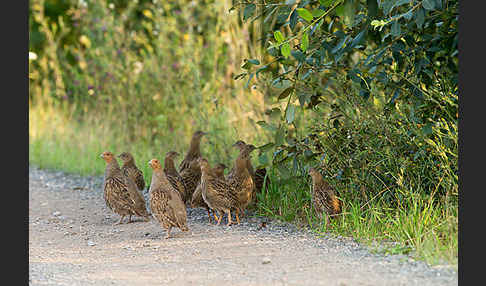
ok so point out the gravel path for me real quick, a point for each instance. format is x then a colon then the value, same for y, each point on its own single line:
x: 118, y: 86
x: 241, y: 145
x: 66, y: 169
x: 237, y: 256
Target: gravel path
x: 72, y: 241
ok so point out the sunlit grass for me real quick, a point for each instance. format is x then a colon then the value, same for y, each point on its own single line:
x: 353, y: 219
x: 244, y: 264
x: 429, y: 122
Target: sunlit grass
x: 58, y: 142
x: 419, y: 228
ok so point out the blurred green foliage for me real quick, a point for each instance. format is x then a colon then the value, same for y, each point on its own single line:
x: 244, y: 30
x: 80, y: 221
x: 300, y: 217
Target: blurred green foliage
x: 140, y: 65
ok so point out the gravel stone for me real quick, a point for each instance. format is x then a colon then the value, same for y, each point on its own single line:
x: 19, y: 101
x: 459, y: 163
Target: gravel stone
x: 137, y: 253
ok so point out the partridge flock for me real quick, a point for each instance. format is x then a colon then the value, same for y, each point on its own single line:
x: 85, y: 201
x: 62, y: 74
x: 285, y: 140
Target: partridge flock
x: 196, y: 184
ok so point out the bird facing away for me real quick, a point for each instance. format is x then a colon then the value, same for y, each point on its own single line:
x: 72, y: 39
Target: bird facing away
x: 194, y: 150
x: 173, y: 176
x: 242, y: 180
x: 259, y: 179
x: 190, y: 178
x: 120, y: 192
x: 165, y: 202
x: 218, y: 194
x: 197, y: 199
x: 130, y: 170
x: 323, y: 196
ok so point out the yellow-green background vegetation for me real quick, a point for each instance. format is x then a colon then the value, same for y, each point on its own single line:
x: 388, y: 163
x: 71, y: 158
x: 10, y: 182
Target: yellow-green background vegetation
x: 142, y: 76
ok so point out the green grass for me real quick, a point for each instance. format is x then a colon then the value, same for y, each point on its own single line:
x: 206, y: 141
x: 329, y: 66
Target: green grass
x: 58, y: 142
x: 420, y: 228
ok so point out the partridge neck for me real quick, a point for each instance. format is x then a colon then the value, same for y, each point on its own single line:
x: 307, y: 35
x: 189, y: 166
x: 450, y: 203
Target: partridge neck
x: 112, y: 168
x: 157, y: 178
x: 194, y: 150
x: 169, y: 165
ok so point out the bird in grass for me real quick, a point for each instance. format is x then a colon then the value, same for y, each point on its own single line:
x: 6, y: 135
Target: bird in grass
x: 323, y: 196
x: 173, y: 176
x: 194, y: 151
x: 260, y: 179
x: 197, y: 199
x: 218, y: 194
x: 120, y: 192
x: 242, y: 181
x: 165, y: 202
x: 130, y: 170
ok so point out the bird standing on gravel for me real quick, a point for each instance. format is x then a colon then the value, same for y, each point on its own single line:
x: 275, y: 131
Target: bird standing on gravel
x: 120, y: 192
x: 257, y: 175
x: 194, y: 150
x: 197, y: 199
x: 166, y: 203
x: 218, y: 194
x: 130, y: 170
x: 242, y: 181
x: 240, y: 144
x: 173, y: 176
x: 323, y: 196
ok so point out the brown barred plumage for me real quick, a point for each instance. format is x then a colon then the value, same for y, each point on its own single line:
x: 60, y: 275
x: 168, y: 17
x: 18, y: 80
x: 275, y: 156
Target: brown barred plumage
x: 173, y: 176
x: 242, y: 181
x: 259, y: 178
x: 194, y: 151
x: 218, y: 194
x: 120, y: 193
x: 323, y: 196
x: 240, y: 144
x: 166, y: 203
x: 197, y: 199
x: 130, y: 170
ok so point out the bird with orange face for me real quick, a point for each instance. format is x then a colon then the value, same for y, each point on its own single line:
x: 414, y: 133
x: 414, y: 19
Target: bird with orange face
x: 165, y: 201
x: 120, y: 192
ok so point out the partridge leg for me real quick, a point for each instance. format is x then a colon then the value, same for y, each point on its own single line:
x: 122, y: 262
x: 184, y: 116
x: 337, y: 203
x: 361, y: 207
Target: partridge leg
x: 168, y: 233
x: 120, y: 221
x: 237, y: 217
x: 220, y: 217
x: 230, y: 222
x: 129, y: 219
x: 209, y: 214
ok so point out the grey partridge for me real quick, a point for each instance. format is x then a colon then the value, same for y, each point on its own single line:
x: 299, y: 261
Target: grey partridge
x: 197, y: 199
x: 131, y: 170
x: 165, y: 202
x: 323, y: 196
x: 120, y: 193
x: 218, y: 194
x: 173, y: 176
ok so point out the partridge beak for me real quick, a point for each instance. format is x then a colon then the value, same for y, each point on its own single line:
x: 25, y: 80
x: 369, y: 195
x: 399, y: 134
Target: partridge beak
x: 101, y: 155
